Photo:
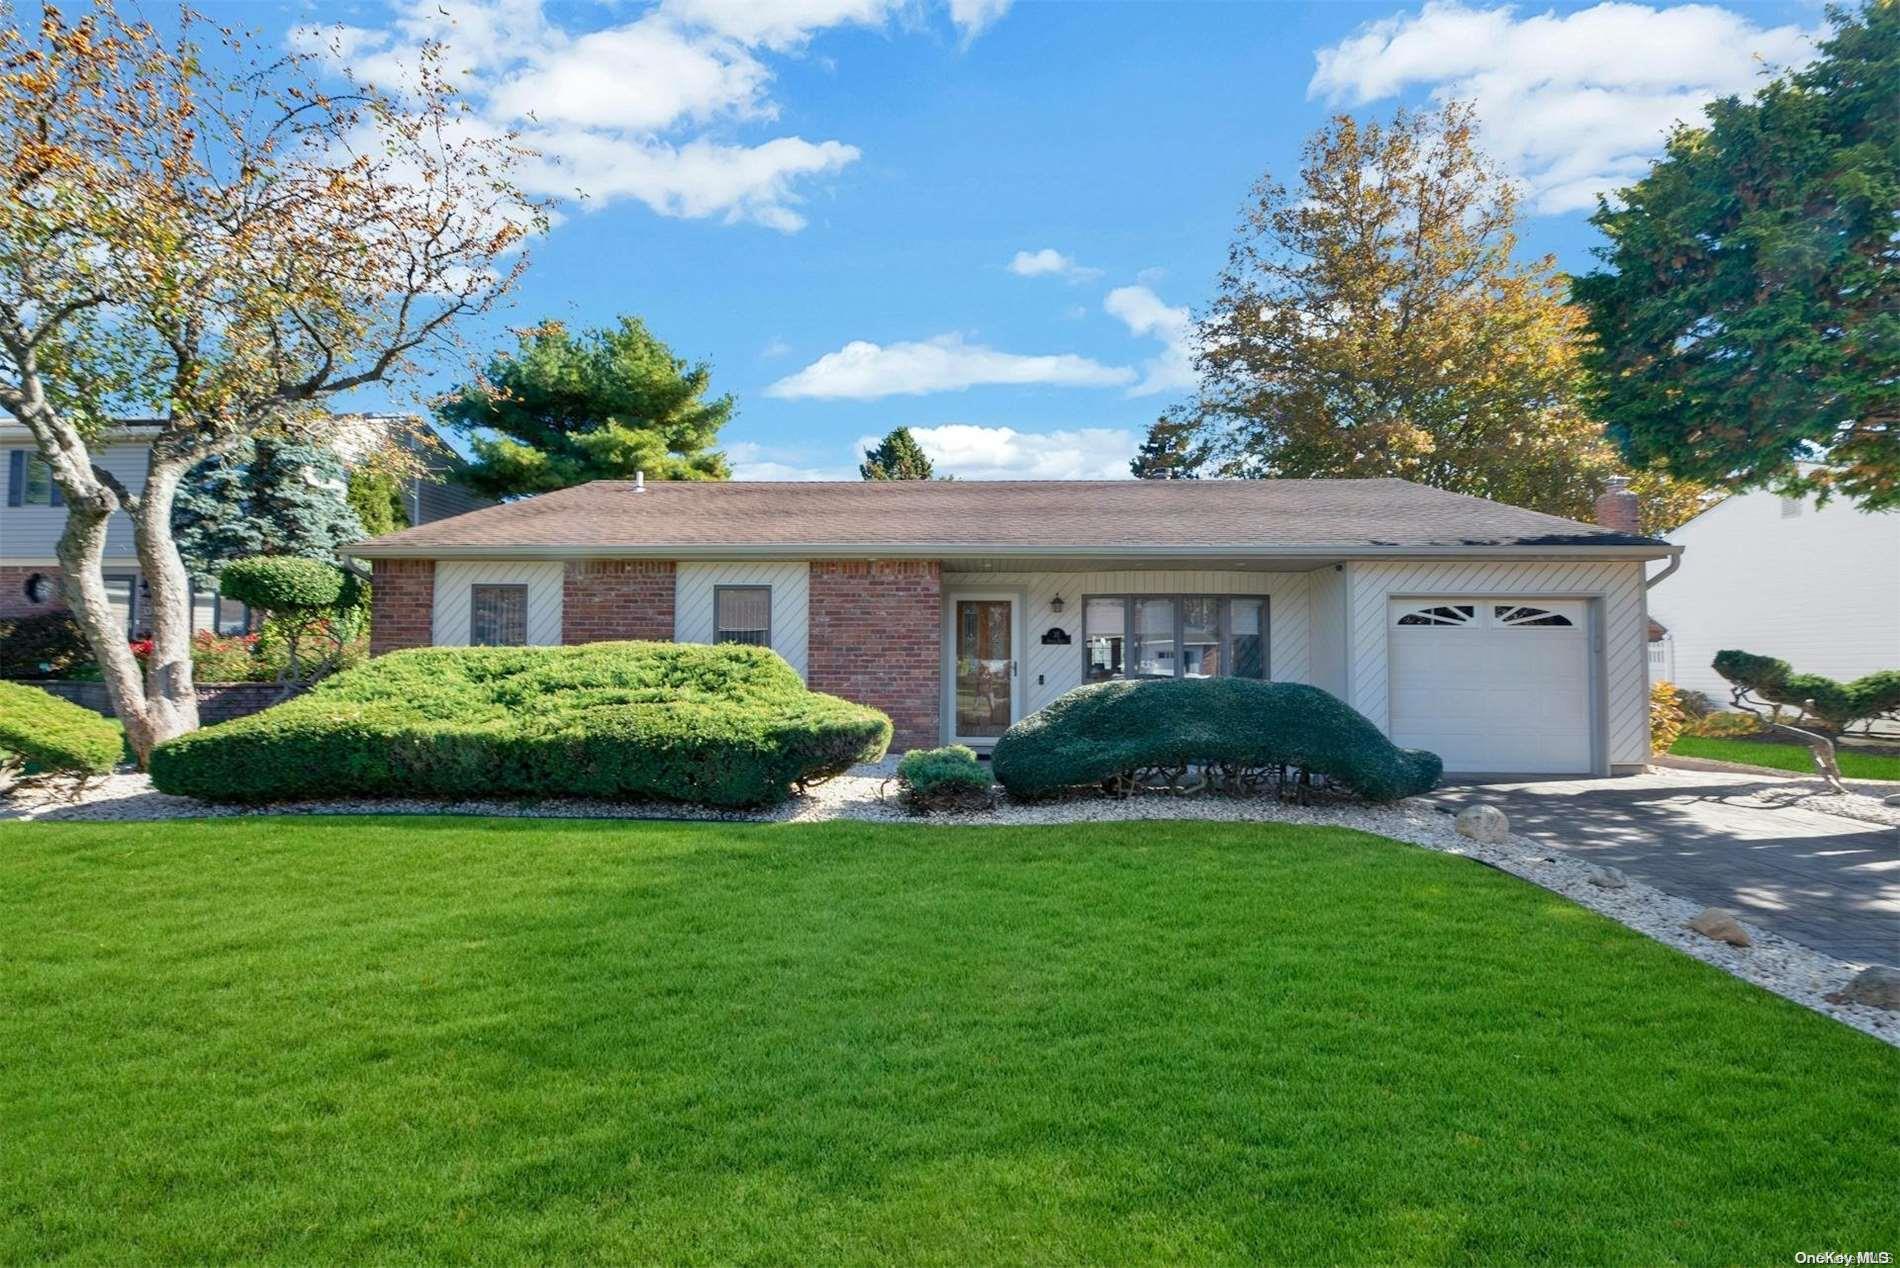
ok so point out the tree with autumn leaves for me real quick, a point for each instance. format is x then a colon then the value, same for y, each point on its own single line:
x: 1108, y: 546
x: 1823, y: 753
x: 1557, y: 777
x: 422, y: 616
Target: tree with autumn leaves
x: 1373, y: 320
x: 221, y: 239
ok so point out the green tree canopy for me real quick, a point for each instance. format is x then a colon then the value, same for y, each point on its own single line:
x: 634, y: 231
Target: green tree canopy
x: 897, y: 457
x: 266, y: 497
x: 1171, y: 451
x: 1373, y: 320
x: 1747, y: 318
x: 564, y: 409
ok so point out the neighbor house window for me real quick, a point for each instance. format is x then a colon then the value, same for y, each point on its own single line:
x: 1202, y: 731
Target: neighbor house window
x: 212, y: 613
x: 30, y: 480
x: 498, y: 616
x: 1174, y: 636
x: 742, y: 614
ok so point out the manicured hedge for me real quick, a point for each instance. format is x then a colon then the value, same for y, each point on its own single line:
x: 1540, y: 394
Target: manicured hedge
x: 286, y: 583
x: 1115, y: 730
x: 720, y: 726
x: 55, y: 736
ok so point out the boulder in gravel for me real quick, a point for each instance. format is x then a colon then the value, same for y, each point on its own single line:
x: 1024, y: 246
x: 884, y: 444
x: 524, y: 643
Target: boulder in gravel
x: 1720, y: 924
x: 1484, y: 823
x: 1876, y: 987
x: 1609, y: 878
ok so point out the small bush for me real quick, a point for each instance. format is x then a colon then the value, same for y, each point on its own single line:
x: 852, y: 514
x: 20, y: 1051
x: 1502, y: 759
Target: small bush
x: 1717, y: 726
x: 949, y: 778
x: 55, y: 736
x: 50, y: 645
x: 286, y: 583
x: 1665, y: 716
x: 1234, y: 730
x: 1836, y: 706
x: 722, y: 726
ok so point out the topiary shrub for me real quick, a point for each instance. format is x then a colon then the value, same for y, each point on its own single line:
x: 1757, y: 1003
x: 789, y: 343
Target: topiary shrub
x: 305, y: 600
x: 720, y: 726
x: 1238, y: 733
x: 1835, y: 705
x: 949, y: 778
x: 50, y: 645
x: 51, y: 736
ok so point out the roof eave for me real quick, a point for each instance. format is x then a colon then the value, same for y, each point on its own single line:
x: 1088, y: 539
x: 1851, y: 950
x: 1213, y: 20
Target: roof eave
x: 968, y: 550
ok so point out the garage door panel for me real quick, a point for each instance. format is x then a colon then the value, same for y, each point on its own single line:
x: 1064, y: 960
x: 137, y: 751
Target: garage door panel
x: 1494, y: 694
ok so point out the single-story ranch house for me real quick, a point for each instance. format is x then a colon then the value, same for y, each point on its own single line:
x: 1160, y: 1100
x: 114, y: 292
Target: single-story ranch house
x: 1505, y: 640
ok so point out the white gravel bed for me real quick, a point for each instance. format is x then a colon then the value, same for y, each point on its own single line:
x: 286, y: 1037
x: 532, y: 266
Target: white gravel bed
x: 1773, y: 963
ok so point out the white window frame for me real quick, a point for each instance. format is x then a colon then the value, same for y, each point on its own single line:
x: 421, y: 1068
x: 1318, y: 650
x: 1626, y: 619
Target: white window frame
x: 719, y: 635
x: 516, y: 586
x: 1226, y: 601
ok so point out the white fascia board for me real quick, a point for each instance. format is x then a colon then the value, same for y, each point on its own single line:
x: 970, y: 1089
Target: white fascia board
x: 951, y: 553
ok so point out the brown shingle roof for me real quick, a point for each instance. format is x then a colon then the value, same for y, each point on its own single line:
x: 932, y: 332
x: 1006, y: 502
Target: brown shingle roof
x: 921, y: 518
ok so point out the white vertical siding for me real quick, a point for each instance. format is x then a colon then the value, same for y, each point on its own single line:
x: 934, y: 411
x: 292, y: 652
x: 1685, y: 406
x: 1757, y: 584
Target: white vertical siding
x: 453, y: 579
x: 1055, y: 668
x: 30, y: 534
x: 1619, y: 587
x: 693, y: 586
x: 1326, y: 595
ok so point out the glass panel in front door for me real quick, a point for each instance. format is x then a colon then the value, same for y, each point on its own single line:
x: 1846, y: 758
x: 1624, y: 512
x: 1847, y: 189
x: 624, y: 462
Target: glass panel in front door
x: 984, y: 663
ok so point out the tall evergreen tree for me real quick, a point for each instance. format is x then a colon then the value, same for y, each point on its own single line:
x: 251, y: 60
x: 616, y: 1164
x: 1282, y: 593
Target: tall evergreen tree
x: 1373, y: 320
x: 602, y: 405
x: 897, y: 457
x: 1748, y: 317
x: 268, y: 498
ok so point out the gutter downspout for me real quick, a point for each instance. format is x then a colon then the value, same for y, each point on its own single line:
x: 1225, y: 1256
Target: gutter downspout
x: 1675, y: 562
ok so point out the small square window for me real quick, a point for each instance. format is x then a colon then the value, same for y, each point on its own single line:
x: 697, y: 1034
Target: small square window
x: 742, y: 614
x: 498, y: 616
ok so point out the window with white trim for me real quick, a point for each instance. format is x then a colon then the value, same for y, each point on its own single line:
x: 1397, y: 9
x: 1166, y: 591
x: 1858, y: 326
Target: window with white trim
x: 1174, y: 636
x: 497, y: 616
x: 742, y: 614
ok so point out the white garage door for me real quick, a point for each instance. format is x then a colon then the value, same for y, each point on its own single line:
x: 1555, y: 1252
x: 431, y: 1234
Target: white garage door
x: 1496, y: 685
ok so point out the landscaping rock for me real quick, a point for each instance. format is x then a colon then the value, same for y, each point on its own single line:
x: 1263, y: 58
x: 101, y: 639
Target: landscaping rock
x: 1482, y: 823
x: 1609, y: 878
x: 1876, y: 987
x: 1720, y: 924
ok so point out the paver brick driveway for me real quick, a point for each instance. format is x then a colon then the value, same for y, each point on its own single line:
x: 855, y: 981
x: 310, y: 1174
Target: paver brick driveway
x: 1828, y: 882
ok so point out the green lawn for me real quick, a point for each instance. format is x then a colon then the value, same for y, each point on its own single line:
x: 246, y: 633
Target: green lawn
x: 506, y: 1040
x: 1794, y: 757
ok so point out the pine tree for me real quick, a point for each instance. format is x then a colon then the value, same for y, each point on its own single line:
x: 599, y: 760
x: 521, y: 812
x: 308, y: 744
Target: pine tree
x: 1170, y: 452
x: 897, y: 457
x: 268, y: 498
x: 565, y: 409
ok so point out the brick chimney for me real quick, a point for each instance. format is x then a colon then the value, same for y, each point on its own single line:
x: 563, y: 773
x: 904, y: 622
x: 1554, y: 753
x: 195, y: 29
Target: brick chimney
x: 1616, y: 507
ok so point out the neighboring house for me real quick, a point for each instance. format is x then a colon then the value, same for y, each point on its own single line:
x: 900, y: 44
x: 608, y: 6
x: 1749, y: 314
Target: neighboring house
x: 1818, y: 587
x: 33, y: 517
x: 1502, y: 639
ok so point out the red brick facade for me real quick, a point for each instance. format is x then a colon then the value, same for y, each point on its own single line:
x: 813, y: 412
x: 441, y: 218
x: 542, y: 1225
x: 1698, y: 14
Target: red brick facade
x: 402, y: 604
x: 877, y: 638
x: 603, y: 599
x: 13, y: 600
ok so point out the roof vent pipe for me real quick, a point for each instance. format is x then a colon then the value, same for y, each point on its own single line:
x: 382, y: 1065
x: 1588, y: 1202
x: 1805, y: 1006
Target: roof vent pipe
x: 639, y: 482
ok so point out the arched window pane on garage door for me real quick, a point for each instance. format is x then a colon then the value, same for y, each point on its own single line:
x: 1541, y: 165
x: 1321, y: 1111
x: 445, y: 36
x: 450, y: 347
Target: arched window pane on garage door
x: 1442, y: 614
x: 1517, y: 615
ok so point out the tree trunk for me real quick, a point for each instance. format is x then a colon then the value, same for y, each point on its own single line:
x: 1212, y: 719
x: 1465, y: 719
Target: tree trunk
x: 171, y: 699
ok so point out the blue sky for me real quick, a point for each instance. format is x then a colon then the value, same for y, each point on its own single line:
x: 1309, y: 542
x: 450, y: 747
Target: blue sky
x: 989, y: 221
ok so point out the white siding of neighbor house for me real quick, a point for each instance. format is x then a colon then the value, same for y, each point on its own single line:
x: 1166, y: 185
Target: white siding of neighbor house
x: 1618, y: 587
x: 454, y: 578
x: 30, y: 534
x: 1055, y: 668
x: 1819, y: 588
x: 693, y: 586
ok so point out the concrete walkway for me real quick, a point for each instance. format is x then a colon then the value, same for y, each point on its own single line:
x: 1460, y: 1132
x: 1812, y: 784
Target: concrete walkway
x: 1828, y: 882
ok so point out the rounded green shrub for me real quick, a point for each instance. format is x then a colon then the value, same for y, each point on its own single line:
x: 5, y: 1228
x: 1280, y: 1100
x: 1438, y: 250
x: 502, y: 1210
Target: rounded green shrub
x: 948, y: 778
x: 56, y: 736
x: 287, y: 583
x: 719, y: 726
x: 1114, y: 730
x: 1836, y: 705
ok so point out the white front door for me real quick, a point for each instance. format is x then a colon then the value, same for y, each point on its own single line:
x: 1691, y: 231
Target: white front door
x: 983, y: 679
x: 1494, y: 685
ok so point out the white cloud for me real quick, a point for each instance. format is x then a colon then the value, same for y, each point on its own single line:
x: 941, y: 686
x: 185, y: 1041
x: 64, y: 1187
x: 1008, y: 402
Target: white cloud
x: 1050, y: 262
x: 624, y: 111
x: 972, y: 452
x: 974, y: 16
x: 864, y: 371
x: 758, y: 462
x: 1143, y: 312
x: 1574, y: 103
